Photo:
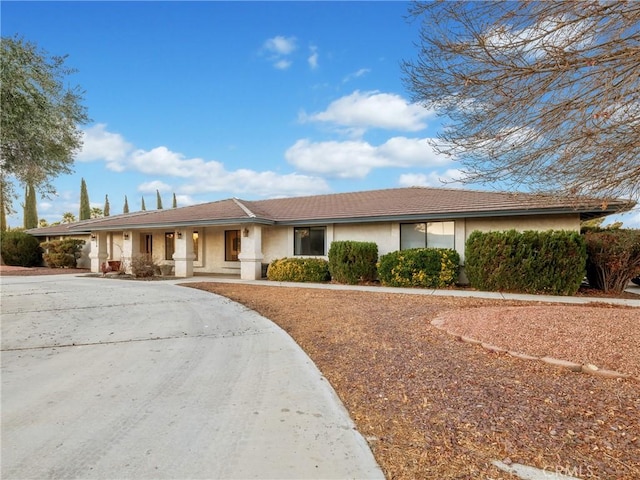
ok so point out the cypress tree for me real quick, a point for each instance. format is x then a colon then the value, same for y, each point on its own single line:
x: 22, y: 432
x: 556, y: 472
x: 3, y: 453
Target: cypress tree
x: 105, y: 211
x: 175, y: 202
x: 158, y: 200
x: 30, y: 210
x: 85, y: 207
x: 143, y: 205
x: 3, y: 209
x: 125, y: 209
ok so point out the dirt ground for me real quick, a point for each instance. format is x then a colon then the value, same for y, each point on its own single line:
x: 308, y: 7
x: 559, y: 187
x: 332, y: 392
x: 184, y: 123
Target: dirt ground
x: 432, y: 406
x: 8, y: 270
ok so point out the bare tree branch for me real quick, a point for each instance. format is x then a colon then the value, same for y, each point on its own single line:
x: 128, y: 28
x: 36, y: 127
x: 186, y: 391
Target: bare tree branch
x: 540, y: 95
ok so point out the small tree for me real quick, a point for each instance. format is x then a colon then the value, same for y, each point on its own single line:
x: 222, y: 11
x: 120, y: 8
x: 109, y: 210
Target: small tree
x: 143, y: 206
x: 68, y: 217
x: 43, y: 223
x: 20, y: 249
x: 30, y: 209
x: 96, y: 212
x: 3, y: 210
x: 613, y: 258
x: 40, y: 117
x: 125, y: 209
x: 63, y: 253
x: 85, y: 206
x: 158, y: 200
x: 175, y: 202
x: 536, y: 93
x: 107, y: 208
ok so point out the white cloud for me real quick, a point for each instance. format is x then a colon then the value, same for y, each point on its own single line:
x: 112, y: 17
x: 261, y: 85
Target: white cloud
x: 282, y: 64
x: 201, y: 176
x: 162, y: 161
x: 151, y: 187
x: 313, y: 58
x: 373, y: 110
x: 99, y: 144
x: 265, y: 184
x: 280, y: 45
x: 357, y: 74
x: 278, y: 49
x: 355, y: 159
x: 184, y: 200
x: 431, y: 179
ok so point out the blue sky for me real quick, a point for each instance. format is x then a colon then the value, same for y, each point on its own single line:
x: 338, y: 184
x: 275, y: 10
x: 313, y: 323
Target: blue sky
x: 211, y: 100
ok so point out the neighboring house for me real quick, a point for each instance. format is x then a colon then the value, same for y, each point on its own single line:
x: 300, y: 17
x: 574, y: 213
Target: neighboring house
x: 239, y: 237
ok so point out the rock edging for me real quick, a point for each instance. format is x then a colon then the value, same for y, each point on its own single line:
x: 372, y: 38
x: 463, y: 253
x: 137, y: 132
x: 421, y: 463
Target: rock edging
x: 588, y: 368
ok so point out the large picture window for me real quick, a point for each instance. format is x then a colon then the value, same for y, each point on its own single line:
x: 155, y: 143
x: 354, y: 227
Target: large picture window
x: 309, y: 241
x: 427, y: 234
x: 231, y: 245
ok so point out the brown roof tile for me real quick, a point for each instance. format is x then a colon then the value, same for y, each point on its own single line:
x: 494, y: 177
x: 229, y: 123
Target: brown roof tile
x: 369, y: 205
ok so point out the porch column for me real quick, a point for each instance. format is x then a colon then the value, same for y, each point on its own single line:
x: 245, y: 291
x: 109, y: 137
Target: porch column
x: 98, y: 253
x: 130, y: 248
x: 183, y: 255
x: 251, y: 252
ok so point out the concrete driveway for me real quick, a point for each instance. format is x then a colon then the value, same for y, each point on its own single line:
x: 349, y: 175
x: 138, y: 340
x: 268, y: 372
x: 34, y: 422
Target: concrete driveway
x: 110, y: 378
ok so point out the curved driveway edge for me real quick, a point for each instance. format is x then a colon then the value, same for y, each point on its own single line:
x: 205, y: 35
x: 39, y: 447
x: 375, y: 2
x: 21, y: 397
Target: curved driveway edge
x: 124, y: 379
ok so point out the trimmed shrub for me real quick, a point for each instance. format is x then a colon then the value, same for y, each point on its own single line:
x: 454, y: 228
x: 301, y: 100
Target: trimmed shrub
x: 20, y: 249
x: 63, y: 253
x: 551, y: 262
x: 144, y: 266
x: 353, y: 262
x: 299, y: 270
x: 419, y: 267
x: 613, y: 258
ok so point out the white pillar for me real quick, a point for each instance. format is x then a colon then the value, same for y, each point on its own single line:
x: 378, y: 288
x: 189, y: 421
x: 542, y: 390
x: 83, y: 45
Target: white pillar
x: 98, y: 253
x: 183, y: 255
x: 251, y: 253
x: 130, y: 248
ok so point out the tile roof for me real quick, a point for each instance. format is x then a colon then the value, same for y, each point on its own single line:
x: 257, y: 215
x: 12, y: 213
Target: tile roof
x: 372, y: 205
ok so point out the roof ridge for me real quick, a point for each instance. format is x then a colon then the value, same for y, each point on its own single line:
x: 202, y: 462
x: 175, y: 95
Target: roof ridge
x: 244, y: 208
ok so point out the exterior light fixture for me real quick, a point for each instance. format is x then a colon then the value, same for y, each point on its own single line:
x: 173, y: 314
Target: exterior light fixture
x: 179, y: 234
x: 245, y: 232
x: 93, y: 236
x: 126, y: 235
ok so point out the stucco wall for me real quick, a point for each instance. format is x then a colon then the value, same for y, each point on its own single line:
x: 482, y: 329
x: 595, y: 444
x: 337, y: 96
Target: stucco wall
x: 277, y: 242
x: 521, y: 223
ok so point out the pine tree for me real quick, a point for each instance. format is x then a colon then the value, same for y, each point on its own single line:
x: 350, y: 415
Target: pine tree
x: 3, y: 210
x: 85, y: 206
x: 125, y: 209
x: 105, y: 211
x: 30, y: 210
x: 143, y: 205
x: 158, y: 200
x: 175, y: 202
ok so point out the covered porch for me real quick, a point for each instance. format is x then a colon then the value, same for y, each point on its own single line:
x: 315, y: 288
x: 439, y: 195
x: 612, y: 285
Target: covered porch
x: 229, y: 250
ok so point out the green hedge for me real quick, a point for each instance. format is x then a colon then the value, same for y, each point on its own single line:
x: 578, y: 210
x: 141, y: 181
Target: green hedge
x: 419, y: 267
x: 613, y: 258
x: 299, y: 270
x: 63, y: 253
x: 551, y: 262
x: 20, y: 249
x: 353, y: 262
